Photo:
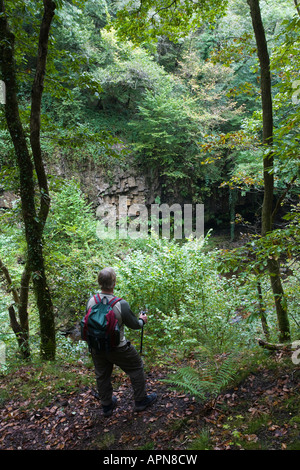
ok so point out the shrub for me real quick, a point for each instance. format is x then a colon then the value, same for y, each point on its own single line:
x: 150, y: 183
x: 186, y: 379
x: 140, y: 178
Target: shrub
x: 189, y: 303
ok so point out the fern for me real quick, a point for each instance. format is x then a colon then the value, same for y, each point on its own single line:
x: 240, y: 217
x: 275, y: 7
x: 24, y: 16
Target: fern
x: 202, y: 383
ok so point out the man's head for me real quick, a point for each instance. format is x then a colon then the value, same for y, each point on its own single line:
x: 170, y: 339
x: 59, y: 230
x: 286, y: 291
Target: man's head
x: 107, y: 279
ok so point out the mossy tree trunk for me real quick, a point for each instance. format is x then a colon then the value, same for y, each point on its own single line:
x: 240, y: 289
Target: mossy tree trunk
x: 268, y: 165
x: 33, y: 218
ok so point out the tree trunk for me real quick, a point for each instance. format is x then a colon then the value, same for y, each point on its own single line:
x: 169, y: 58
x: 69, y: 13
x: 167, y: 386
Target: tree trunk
x: 262, y: 313
x: 297, y: 7
x: 35, y: 115
x: 21, y: 327
x: 21, y: 334
x: 33, y: 225
x: 268, y: 164
x: 275, y: 347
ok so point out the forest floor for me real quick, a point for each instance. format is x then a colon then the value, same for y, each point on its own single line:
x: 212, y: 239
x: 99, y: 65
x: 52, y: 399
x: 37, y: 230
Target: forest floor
x: 261, y: 412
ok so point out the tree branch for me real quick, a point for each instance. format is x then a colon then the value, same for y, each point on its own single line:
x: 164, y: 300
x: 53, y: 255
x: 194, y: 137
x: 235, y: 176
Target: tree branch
x: 297, y: 7
x: 279, y: 201
x: 35, y: 115
x: 12, y: 114
x: 12, y: 289
x: 33, y: 226
x: 174, y: 2
x: 21, y: 335
x: 24, y: 293
x: 20, y: 328
x: 275, y: 347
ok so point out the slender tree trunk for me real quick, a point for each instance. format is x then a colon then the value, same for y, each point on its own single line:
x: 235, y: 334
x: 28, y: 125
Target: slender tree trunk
x: 297, y: 7
x: 268, y: 164
x: 21, y: 327
x: 33, y: 225
x: 262, y: 313
x: 35, y: 115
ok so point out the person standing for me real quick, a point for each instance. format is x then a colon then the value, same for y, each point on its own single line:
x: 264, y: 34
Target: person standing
x: 124, y: 355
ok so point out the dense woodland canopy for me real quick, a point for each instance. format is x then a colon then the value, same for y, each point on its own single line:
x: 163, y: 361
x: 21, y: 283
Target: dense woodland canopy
x: 203, y: 95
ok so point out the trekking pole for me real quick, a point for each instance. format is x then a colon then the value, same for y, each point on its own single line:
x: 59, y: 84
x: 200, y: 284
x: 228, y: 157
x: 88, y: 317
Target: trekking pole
x: 142, y: 335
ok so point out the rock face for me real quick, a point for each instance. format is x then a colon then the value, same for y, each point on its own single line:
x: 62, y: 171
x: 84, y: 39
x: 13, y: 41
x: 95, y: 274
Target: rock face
x: 105, y: 186
x: 7, y: 200
x: 137, y: 188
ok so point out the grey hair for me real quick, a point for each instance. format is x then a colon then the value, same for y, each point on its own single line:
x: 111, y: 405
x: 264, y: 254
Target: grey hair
x: 107, y: 278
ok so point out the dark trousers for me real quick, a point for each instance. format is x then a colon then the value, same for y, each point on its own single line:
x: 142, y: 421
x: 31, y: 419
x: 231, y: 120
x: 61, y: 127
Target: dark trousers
x: 128, y: 359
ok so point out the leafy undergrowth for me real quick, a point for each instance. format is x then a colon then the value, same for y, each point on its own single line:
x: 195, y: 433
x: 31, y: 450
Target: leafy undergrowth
x: 61, y: 412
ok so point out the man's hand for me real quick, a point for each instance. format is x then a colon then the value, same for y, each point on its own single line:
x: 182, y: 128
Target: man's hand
x: 143, y: 317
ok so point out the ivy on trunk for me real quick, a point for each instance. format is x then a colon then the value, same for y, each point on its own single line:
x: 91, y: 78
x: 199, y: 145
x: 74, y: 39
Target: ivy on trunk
x: 33, y: 218
x: 268, y: 164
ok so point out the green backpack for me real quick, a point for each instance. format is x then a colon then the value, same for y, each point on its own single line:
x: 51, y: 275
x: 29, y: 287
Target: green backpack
x: 99, y: 327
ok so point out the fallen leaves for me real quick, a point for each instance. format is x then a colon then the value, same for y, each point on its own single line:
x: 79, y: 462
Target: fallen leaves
x: 51, y: 427
x: 74, y: 420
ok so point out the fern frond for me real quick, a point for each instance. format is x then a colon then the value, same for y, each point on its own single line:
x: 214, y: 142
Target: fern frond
x: 201, y: 383
x: 186, y: 379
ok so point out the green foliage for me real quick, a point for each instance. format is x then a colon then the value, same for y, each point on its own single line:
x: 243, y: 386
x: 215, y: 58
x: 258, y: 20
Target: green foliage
x: 70, y: 242
x: 202, y: 442
x: 165, y: 130
x: 207, y: 379
x: 197, y: 126
x: 174, y: 119
x: 153, y: 18
x: 42, y: 380
x: 125, y: 72
x: 71, y: 219
x: 189, y: 304
x: 238, y: 52
x: 285, y: 64
x: 281, y: 244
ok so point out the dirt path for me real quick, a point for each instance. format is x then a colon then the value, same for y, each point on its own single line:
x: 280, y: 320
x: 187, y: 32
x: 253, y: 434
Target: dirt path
x: 74, y: 421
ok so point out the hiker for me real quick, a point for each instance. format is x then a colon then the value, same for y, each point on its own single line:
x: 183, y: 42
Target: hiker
x: 124, y: 355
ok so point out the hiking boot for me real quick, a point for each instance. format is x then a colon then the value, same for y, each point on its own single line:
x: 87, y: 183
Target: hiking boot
x: 143, y: 404
x: 108, y: 409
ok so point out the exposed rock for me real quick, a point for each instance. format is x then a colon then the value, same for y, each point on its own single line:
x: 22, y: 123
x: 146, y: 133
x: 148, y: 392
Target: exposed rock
x: 7, y: 200
x: 104, y: 187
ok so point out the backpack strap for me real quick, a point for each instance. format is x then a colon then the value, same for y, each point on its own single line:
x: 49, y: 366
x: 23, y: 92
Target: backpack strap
x: 85, y: 324
x: 97, y: 296
x: 114, y: 301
